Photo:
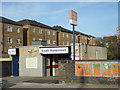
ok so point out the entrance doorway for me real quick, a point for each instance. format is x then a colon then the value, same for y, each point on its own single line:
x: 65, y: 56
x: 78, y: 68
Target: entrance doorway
x: 15, y: 66
x: 52, y: 63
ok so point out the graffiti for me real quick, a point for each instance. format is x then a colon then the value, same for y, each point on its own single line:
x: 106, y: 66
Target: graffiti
x: 88, y: 69
x: 96, y: 71
x: 79, y: 69
x: 104, y: 69
x: 114, y: 69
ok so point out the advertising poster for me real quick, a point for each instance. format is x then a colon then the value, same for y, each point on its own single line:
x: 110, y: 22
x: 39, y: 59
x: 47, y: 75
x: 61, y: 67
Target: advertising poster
x: 79, y: 69
x: 96, y: 69
x: 88, y: 69
x: 106, y: 69
x: 31, y: 62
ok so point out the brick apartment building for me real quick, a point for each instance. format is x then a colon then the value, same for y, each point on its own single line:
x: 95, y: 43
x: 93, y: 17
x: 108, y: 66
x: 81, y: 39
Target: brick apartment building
x: 11, y: 34
x: 1, y: 38
x: 22, y: 33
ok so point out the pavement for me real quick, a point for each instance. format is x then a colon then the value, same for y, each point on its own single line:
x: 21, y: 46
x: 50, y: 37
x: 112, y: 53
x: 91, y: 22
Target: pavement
x: 47, y: 82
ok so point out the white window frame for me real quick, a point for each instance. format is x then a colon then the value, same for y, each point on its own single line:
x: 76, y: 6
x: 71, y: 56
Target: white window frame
x: 9, y: 28
x: 54, y: 42
x: 40, y: 31
x: 18, y: 30
x: 48, y: 32
x: 18, y: 41
x: 67, y: 43
x: 40, y: 39
x: 67, y: 36
x: 63, y: 43
x: 72, y: 36
x: 53, y: 33
x: 85, y: 38
x: 48, y: 41
x: 63, y: 35
x: 33, y: 39
x: 33, y: 29
x: 9, y: 40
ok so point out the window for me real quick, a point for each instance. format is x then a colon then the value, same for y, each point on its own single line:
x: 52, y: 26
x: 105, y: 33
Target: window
x: 63, y: 34
x: 18, y: 41
x: 63, y: 43
x: 53, y: 33
x: 9, y: 29
x: 33, y: 39
x: 18, y: 30
x: 40, y: 31
x: 67, y: 43
x: 54, y: 42
x: 9, y: 40
x: 33, y: 29
x: 67, y: 36
x: 72, y: 36
x: 84, y: 37
x: 40, y: 39
x: 48, y: 32
x: 48, y: 41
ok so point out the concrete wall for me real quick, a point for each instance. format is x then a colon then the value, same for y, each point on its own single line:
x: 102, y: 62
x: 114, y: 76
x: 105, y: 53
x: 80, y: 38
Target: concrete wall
x: 89, y: 52
x: 96, y: 52
x: 30, y: 55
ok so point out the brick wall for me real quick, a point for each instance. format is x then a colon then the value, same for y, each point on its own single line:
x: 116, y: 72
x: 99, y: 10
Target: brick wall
x: 1, y: 41
x: 14, y: 35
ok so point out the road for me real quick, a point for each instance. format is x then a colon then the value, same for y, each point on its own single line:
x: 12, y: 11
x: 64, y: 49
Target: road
x: 32, y: 82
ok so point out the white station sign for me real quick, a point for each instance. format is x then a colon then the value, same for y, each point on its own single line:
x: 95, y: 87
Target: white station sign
x: 12, y: 51
x: 54, y: 50
x: 73, y: 17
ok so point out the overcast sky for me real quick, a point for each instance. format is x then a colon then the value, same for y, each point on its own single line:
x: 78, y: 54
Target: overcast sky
x: 94, y: 18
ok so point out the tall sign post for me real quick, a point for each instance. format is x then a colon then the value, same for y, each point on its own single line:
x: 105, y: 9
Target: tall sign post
x: 73, y: 22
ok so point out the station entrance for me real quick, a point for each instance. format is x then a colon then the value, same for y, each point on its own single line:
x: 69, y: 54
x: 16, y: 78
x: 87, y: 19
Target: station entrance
x: 51, y: 63
x: 41, y: 60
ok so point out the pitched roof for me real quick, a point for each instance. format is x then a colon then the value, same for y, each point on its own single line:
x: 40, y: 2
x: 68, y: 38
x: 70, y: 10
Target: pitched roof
x: 34, y: 23
x: 8, y: 21
x: 109, y: 38
x: 69, y: 31
x: 64, y: 29
x: 59, y: 28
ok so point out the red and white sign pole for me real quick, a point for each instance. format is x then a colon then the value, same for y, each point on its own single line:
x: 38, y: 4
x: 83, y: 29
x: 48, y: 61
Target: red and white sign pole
x: 73, y: 22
